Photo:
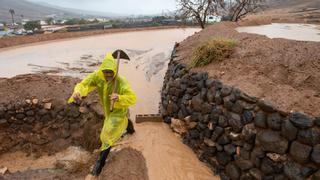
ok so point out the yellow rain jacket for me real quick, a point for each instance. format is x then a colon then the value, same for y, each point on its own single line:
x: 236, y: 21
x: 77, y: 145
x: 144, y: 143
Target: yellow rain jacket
x: 115, y: 122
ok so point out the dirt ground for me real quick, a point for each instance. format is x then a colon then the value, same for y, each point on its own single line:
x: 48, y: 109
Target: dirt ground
x: 285, y: 72
x: 287, y: 11
x: 21, y: 40
x: 126, y: 163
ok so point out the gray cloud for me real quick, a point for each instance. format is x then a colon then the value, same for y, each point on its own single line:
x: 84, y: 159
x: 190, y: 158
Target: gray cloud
x: 116, y: 6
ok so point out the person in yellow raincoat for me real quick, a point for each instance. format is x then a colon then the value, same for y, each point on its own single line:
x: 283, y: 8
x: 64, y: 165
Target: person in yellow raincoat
x: 115, y: 122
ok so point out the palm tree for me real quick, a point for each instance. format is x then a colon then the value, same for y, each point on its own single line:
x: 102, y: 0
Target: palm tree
x: 11, y: 11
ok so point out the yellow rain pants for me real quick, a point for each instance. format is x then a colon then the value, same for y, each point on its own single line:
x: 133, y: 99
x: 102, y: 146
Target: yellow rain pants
x: 115, y: 122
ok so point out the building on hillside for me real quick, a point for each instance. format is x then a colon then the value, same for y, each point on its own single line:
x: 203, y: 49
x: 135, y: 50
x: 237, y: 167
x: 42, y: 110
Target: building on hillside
x: 1, y: 27
x: 213, y: 18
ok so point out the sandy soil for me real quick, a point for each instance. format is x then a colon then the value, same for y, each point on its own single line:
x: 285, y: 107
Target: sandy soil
x: 21, y: 40
x: 285, y: 72
x: 126, y: 163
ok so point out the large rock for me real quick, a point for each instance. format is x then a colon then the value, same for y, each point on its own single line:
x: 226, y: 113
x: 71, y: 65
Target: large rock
x: 235, y: 122
x: 226, y: 90
x: 267, y: 106
x: 247, y: 117
x: 196, y: 103
x: 237, y: 107
x: 309, y: 136
x: 301, y: 120
x: 261, y: 119
x: 274, y: 121
x: 288, y: 130
x: 293, y: 170
x: 233, y: 171
x: 230, y: 149
x: 206, y: 108
x: 256, y: 173
x: 300, y: 152
x: 178, y: 126
x: 315, y: 155
x: 243, y: 164
x: 223, y: 158
x: 272, y: 141
x: 218, y: 131
x: 269, y: 167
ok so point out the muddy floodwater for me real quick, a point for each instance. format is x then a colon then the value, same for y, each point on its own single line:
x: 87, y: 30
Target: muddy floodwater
x: 149, y: 52
x: 300, y: 32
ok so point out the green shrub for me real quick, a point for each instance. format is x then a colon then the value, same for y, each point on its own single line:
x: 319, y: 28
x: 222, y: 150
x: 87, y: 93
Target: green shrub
x: 213, y: 50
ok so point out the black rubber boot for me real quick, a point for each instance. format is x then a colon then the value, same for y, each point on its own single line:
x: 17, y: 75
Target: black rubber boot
x: 100, y: 162
x: 130, y: 128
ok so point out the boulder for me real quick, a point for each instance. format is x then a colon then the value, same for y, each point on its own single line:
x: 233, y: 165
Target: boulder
x: 288, y: 130
x: 226, y: 90
x: 309, y: 136
x: 247, y: 117
x: 237, y: 107
x: 223, y: 158
x: 256, y: 173
x: 233, y: 171
x: 272, y: 141
x: 230, y: 149
x: 300, y: 152
x: 293, y: 170
x: 315, y: 155
x: 196, y: 103
x: 218, y: 131
x: 178, y: 126
x: 47, y: 105
x: 267, y: 106
x: 243, y: 164
x: 301, y: 120
x: 274, y: 121
x: 260, y: 120
x: 235, y: 122
x: 269, y: 167
x: 206, y: 108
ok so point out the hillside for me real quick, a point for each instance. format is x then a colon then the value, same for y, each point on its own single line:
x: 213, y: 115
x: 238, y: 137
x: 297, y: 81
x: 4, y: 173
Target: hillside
x: 29, y: 10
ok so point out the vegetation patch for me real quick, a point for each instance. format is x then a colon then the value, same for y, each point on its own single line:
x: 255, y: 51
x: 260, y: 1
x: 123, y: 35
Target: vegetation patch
x: 214, y: 50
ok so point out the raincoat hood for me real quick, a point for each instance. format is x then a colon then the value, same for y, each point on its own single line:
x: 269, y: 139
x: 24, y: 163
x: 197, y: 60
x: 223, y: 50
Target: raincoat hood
x: 108, y: 63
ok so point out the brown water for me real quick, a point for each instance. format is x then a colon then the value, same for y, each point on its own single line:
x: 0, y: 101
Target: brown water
x: 300, y: 32
x: 166, y: 156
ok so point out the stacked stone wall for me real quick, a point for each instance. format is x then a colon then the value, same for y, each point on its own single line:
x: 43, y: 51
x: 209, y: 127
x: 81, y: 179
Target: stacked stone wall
x: 34, y: 125
x: 239, y: 136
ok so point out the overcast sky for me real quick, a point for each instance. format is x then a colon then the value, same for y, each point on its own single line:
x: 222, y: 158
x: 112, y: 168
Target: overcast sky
x: 117, y: 6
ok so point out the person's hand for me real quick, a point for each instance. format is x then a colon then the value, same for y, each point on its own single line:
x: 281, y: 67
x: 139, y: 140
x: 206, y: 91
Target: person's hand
x: 77, y: 97
x: 114, y: 97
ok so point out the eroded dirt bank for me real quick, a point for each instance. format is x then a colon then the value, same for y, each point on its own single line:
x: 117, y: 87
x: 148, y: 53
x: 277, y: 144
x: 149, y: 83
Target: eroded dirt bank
x: 285, y: 72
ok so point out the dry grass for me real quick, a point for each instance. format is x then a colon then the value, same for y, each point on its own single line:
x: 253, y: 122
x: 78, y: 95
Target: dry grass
x: 214, y: 50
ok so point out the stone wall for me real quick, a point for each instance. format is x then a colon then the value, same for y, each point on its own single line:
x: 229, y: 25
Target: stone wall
x: 36, y: 126
x: 239, y: 136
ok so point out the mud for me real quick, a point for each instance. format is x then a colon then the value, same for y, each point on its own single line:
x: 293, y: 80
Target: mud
x: 23, y: 40
x: 126, y: 163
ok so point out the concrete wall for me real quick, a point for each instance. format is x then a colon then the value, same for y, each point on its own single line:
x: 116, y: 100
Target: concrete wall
x: 239, y: 136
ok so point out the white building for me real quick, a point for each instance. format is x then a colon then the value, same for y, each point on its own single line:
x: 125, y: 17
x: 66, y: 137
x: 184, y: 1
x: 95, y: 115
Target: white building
x: 1, y: 27
x: 213, y: 19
